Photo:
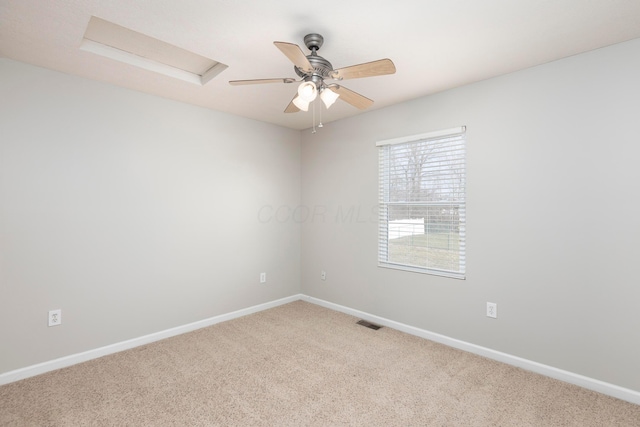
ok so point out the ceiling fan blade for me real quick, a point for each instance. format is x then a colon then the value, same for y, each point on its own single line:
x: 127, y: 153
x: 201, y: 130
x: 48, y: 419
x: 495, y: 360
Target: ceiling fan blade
x: 260, y: 81
x: 351, y: 97
x: 295, y: 55
x: 291, y: 108
x: 369, y: 69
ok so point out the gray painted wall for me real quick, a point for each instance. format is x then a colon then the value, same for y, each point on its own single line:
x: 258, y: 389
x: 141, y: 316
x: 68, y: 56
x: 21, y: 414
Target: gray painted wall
x: 553, y: 215
x: 131, y: 213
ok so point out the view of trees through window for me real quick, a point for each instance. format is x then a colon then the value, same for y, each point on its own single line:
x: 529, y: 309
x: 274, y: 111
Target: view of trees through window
x: 423, y: 203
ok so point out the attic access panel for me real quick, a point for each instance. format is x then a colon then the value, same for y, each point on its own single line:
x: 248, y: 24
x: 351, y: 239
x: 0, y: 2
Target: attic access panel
x: 131, y: 47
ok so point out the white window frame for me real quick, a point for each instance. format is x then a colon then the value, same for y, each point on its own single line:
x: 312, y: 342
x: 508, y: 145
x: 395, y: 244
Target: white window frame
x: 436, y: 137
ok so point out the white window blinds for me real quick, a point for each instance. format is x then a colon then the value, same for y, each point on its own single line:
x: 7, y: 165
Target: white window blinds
x: 422, y: 203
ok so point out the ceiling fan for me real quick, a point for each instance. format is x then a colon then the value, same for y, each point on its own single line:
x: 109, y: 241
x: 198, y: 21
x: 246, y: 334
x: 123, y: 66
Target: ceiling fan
x: 313, y: 70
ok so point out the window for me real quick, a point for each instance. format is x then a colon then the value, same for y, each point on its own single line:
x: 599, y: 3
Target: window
x: 422, y: 203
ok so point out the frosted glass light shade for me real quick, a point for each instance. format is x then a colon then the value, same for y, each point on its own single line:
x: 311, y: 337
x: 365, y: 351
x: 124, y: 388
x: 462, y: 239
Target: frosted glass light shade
x: 307, y: 91
x: 301, y: 103
x: 328, y: 97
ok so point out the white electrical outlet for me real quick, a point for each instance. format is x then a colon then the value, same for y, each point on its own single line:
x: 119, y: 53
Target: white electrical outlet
x: 263, y: 277
x: 492, y: 310
x: 323, y: 275
x: 55, y: 317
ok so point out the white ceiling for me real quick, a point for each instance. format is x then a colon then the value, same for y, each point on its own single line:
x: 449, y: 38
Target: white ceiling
x: 435, y: 44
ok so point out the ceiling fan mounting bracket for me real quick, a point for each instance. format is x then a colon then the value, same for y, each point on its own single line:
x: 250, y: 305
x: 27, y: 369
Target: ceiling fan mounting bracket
x: 313, y: 41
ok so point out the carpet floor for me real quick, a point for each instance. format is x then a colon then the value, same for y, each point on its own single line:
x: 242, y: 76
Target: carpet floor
x: 302, y: 365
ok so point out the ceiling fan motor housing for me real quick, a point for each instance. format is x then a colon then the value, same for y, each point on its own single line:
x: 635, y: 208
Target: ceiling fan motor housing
x: 321, y: 67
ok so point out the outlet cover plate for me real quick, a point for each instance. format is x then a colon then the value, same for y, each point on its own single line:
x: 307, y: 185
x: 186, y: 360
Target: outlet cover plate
x: 492, y: 310
x: 55, y: 317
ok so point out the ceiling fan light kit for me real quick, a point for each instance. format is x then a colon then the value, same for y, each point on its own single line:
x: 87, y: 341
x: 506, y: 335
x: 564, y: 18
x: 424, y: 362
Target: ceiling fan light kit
x: 313, y: 70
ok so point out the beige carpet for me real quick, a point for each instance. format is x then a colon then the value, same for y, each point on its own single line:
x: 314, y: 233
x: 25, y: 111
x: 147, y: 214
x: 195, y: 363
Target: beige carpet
x: 302, y: 365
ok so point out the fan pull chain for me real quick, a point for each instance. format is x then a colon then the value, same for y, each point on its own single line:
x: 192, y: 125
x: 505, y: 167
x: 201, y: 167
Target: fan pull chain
x: 313, y: 109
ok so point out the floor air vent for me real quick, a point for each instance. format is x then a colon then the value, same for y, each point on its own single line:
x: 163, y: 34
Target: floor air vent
x: 368, y: 325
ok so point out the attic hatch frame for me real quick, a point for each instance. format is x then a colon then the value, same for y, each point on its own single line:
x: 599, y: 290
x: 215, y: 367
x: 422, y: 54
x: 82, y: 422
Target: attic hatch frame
x: 124, y: 45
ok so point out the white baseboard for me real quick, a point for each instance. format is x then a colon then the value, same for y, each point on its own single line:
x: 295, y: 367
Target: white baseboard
x: 73, y: 359
x: 613, y: 390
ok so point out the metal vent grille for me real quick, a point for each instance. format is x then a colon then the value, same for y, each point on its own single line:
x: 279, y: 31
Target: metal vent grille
x: 368, y: 325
